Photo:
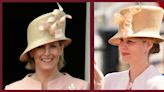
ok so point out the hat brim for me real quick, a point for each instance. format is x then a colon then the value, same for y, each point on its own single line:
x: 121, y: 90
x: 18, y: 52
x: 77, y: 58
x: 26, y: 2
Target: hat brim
x: 115, y: 40
x: 24, y: 57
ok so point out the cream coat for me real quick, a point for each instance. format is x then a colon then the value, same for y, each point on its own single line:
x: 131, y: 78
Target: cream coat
x: 65, y: 82
x: 150, y: 79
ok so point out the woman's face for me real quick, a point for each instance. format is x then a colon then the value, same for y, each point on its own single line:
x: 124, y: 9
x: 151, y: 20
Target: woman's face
x: 46, y: 57
x: 134, y: 49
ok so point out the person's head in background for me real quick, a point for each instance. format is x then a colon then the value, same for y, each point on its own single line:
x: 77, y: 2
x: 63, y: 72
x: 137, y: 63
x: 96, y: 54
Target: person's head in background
x: 139, y: 33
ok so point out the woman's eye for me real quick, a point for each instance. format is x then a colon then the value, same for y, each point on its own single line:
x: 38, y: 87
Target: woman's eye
x: 129, y: 41
x: 121, y: 40
x: 54, y: 46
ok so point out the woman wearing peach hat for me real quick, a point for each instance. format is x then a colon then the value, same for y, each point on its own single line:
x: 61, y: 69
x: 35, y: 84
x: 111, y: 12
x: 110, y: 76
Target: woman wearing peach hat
x: 138, y: 37
x: 44, y: 53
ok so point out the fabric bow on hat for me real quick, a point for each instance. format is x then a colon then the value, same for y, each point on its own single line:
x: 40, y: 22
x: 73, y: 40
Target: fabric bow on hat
x: 125, y: 21
x: 56, y: 22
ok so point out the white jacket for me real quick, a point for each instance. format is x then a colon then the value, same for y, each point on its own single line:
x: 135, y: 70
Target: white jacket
x: 150, y: 79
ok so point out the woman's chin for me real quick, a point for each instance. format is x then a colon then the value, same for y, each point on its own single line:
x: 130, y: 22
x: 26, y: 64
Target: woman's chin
x: 47, y: 68
x: 125, y: 60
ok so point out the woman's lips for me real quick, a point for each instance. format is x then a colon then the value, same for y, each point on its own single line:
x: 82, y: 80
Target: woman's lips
x: 46, y: 59
x: 125, y: 53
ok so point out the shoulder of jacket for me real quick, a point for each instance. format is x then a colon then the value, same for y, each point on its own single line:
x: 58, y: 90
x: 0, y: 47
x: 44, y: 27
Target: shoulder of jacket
x: 13, y: 85
x: 115, y: 74
x: 157, y: 79
x: 81, y: 84
x: 17, y: 84
x: 157, y: 82
x: 76, y: 79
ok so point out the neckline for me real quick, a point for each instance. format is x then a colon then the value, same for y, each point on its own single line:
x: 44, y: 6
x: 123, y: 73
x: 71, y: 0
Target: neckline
x: 29, y: 76
x: 146, y: 72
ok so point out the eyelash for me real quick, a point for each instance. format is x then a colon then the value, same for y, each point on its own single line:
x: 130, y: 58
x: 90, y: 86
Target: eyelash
x: 50, y: 46
x: 130, y: 42
x: 53, y: 46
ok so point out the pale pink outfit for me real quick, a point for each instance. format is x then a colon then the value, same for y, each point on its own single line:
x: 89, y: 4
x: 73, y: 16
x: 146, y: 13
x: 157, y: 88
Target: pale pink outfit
x: 65, y: 82
x: 150, y: 79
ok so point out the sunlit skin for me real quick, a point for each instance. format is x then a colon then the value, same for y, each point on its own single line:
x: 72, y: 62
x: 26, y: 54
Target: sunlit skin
x: 46, y: 58
x: 135, y: 52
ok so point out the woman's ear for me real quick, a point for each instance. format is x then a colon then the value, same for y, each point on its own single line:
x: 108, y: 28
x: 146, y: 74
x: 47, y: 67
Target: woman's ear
x: 149, y: 44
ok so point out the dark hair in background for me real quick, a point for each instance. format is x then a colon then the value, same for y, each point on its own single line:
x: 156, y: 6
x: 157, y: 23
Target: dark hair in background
x: 17, y: 16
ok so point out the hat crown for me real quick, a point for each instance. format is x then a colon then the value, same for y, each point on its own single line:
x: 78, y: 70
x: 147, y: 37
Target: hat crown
x: 150, y: 17
x: 51, y: 26
x: 46, y: 28
x: 138, y: 21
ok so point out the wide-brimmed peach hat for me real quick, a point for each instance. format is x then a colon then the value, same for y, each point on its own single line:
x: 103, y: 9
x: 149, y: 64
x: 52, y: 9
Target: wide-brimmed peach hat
x: 47, y: 28
x: 138, y: 21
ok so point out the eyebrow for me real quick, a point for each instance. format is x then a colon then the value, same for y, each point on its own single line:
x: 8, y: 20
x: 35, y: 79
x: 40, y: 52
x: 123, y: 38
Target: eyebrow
x: 54, y: 43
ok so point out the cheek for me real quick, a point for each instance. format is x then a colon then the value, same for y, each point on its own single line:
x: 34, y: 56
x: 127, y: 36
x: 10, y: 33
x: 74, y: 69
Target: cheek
x: 138, y: 50
x: 56, y: 52
x: 37, y: 53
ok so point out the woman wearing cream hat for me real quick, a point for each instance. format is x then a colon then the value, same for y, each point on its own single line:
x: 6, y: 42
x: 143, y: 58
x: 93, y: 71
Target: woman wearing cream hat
x: 138, y: 37
x: 44, y: 53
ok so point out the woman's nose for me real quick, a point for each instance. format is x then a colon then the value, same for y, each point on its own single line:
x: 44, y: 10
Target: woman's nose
x: 47, y: 50
x: 122, y: 45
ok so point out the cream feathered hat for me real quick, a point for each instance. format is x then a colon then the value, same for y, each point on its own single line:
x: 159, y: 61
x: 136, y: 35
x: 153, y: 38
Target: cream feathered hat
x: 46, y: 28
x: 138, y: 21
